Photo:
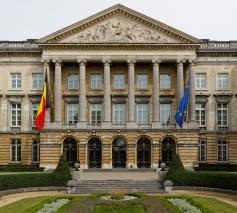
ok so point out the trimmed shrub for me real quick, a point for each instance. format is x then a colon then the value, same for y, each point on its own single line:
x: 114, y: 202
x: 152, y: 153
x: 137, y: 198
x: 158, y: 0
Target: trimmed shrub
x: 216, y: 167
x: 59, y: 177
x: 201, y: 179
x: 20, y: 168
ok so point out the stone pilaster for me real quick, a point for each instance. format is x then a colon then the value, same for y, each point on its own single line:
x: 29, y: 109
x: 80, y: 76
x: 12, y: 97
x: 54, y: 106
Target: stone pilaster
x: 180, y: 81
x: 82, y: 93
x: 58, y: 92
x: 107, y: 96
x: 156, y: 94
x: 131, y: 93
x: 192, y: 99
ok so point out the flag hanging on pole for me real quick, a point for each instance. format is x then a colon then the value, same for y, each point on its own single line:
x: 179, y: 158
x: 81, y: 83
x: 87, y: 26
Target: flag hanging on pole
x: 44, y: 103
x: 180, y: 115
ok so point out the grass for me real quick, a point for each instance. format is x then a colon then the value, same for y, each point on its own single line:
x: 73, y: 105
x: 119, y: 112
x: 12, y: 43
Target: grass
x: 119, y: 209
x: 28, y: 205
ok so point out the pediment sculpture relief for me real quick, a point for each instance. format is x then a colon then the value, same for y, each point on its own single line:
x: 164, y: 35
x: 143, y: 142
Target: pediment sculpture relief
x: 118, y: 32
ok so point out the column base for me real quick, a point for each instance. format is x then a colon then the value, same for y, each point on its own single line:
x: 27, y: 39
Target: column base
x: 106, y: 125
x: 53, y: 125
x: 106, y: 166
x: 190, y: 125
x: 82, y: 125
x: 132, y: 125
x: 156, y: 125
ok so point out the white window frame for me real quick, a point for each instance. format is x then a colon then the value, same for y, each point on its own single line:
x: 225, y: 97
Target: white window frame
x: 202, y: 150
x: 121, y: 110
x: 222, y: 110
x: 164, y: 112
x: 18, y: 111
x: 119, y: 83
x: 142, y: 111
x: 38, y: 79
x: 198, y: 112
x: 200, y: 81
x: 220, y: 84
x: 96, y: 81
x: 95, y: 119
x: 165, y: 84
x: 220, y: 150
x: 16, y: 143
x: 16, y: 81
x: 74, y: 113
x: 73, y: 81
x: 142, y: 81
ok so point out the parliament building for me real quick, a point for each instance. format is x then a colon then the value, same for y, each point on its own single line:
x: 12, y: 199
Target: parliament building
x: 116, y: 80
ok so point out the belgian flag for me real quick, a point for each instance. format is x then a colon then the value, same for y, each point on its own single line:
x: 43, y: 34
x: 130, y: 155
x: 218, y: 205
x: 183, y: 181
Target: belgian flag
x: 44, y: 103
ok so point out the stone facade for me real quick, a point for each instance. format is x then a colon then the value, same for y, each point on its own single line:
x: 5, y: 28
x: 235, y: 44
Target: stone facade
x: 119, y: 40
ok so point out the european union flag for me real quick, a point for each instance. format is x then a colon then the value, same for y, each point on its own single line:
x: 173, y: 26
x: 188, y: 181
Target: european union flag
x: 181, y: 113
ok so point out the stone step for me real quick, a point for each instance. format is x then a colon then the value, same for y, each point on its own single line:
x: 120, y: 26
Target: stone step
x: 119, y: 170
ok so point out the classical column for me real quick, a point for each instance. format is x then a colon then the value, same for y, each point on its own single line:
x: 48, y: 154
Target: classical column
x: 107, y: 97
x: 46, y: 67
x: 131, y: 92
x: 58, y: 91
x: 192, y: 101
x: 155, y: 91
x: 82, y: 88
x: 180, y: 81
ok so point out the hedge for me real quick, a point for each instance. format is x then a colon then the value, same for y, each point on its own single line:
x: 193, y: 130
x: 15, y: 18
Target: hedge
x: 182, y: 177
x: 20, y: 168
x: 59, y: 177
x: 216, y: 167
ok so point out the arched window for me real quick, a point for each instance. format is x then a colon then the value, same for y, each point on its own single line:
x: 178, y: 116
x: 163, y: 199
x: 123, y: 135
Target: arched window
x: 94, y: 153
x: 143, y: 153
x: 119, y: 153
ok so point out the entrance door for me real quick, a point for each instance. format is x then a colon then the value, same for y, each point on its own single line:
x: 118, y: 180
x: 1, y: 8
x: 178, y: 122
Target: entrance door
x: 168, y: 150
x: 70, y: 150
x: 119, y: 153
x: 143, y: 153
x: 94, y: 153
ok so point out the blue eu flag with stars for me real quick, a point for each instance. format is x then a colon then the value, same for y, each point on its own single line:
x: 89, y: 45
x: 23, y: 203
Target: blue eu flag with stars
x: 181, y: 113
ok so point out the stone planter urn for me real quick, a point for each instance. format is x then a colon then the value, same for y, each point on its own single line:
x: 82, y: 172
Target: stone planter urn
x: 168, y: 186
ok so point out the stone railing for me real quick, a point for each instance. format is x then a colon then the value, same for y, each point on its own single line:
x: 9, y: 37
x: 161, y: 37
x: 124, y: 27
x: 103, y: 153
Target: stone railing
x: 209, y: 44
x: 18, y: 45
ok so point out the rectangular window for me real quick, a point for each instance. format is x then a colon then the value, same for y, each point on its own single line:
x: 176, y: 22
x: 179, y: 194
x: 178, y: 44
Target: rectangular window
x: 200, y: 81
x: 142, y: 113
x: 142, y: 81
x: 165, y: 113
x: 118, y: 81
x: 35, y: 107
x: 95, y: 114
x: 201, y: 114
x: 222, y: 115
x: 222, y: 150
x: 202, y: 150
x: 222, y: 81
x: 119, y: 114
x: 37, y: 81
x: 96, y: 81
x: 36, y: 151
x: 72, y: 114
x: 16, y: 150
x: 165, y: 81
x: 16, y: 80
x: 16, y: 115
x: 73, y: 81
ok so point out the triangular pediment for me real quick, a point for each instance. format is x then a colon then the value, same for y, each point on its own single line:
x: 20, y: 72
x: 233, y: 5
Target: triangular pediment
x: 118, y: 24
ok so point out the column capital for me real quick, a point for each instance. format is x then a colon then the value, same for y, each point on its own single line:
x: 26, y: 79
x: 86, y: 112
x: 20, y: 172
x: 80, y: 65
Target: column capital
x: 156, y: 61
x: 57, y: 61
x: 180, y: 61
x: 192, y: 62
x: 106, y: 61
x: 45, y: 61
x: 131, y: 61
x: 82, y: 61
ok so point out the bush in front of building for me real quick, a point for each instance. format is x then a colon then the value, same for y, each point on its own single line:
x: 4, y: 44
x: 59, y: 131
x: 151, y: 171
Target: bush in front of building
x: 59, y: 177
x: 216, y: 167
x: 20, y: 168
x: 182, y: 177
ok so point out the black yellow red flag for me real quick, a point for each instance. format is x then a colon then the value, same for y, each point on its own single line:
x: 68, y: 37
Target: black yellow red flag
x: 44, y: 103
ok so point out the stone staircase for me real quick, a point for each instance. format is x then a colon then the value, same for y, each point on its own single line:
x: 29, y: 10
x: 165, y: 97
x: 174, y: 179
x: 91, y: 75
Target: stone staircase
x: 111, y: 181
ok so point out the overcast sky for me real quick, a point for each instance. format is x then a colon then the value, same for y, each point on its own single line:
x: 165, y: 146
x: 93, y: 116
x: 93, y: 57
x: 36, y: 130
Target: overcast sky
x: 213, y: 19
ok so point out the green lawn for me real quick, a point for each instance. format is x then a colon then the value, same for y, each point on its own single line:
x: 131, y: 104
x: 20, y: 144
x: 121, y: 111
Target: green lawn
x: 28, y: 205
x: 119, y: 209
